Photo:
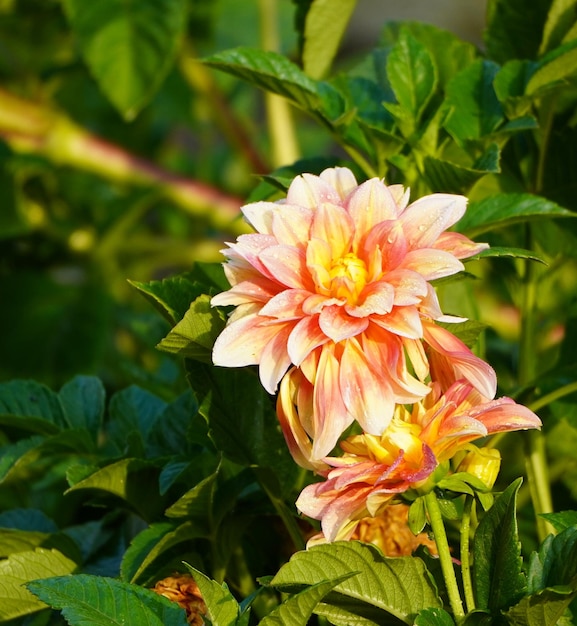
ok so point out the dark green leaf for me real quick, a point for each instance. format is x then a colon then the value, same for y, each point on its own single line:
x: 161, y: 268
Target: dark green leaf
x: 15, y: 599
x: 324, y: 28
x: 443, y: 176
x: 515, y: 253
x: 196, y: 502
x: 83, y: 401
x: 412, y: 74
x: 514, y: 28
x: 128, y: 46
x: 541, y: 609
x: 20, y: 453
x: 511, y: 85
x: 499, y: 581
x: 98, y: 601
x: 399, y: 586
x: 27, y: 519
x: 505, y: 209
x: 297, y: 609
x: 31, y: 405
x: 274, y: 72
x: 555, y: 565
x: 468, y: 332
x: 474, y: 111
x: 561, y: 520
x: 561, y: 18
x: 195, y: 334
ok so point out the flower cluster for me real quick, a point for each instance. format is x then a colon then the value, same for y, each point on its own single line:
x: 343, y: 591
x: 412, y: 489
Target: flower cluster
x: 334, y: 301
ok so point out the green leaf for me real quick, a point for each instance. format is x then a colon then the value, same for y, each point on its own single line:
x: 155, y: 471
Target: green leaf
x: 128, y: 45
x: 297, y: 610
x: 27, y: 519
x: 161, y: 541
x: 511, y: 85
x: 18, y: 569
x: 555, y: 565
x: 417, y: 516
x: 32, y: 406
x: 412, y: 74
x: 468, y: 332
x: 21, y: 453
x: 443, y: 176
x: 541, y: 609
x: 130, y: 480
x: 241, y: 419
x: 557, y: 66
x: 196, y: 502
x: 171, y: 296
x: 83, y: 401
x: 505, y: 209
x: 98, y: 601
x: 515, y: 253
x: 324, y: 28
x: 434, y: 617
x: 474, y: 110
x: 497, y: 565
x: 274, y: 72
x: 195, y: 334
x: 223, y: 609
x: 514, y: 28
x: 561, y: 18
x: 383, y: 586
x: 561, y: 520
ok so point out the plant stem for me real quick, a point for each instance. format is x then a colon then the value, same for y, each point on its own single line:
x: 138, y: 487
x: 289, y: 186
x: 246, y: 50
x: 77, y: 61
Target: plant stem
x: 465, y: 554
x: 552, y: 396
x: 281, y: 128
x: 436, y: 521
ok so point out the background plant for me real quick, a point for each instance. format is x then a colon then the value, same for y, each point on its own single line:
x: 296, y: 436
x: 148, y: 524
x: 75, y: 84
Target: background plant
x: 195, y: 469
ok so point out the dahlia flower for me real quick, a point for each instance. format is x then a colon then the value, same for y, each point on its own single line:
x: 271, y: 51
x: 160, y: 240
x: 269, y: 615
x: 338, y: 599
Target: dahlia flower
x: 374, y: 469
x: 336, y: 282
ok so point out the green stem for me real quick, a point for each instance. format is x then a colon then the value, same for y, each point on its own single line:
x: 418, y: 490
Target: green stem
x: 436, y: 521
x: 281, y: 128
x: 552, y: 396
x: 465, y: 553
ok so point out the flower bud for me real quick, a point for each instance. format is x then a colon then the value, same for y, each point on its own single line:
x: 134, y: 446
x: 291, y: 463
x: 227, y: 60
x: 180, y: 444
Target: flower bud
x: 483, y: 463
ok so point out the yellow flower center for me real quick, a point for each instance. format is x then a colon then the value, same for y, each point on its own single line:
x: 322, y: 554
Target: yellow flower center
x: 348, y: 277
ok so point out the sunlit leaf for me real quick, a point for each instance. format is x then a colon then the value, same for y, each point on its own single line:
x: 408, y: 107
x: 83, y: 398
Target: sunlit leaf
x: 195, y: 334
x: 95, y: 600
x: 18, y: 569
x: 562, y: 519
x: 383, y: 587
x: 324, y: 28
x: 223, y: 609
x: 128, y: 46
x: 297, y: 609
x: 434, y: 617
x: 561, y: 18
x: 499, y: 580
x: 558, y: 65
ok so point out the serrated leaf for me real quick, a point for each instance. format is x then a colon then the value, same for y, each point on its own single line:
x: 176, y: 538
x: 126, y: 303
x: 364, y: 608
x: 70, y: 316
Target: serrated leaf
x: 223, y: 609
x: 499, y: 580
x: 20, y: 453
x: 83, y: 401
x: 455, y: 178
x: 128, y: 46
x: 32, y: 406
x: 98, y: 601
x: 541, y: 609
x: 27, y: 519
x: 412, y: 74
x: 505, y: 209
x: 297, y: 610
x: 195, y: 334
x: 274, y: 72
x: 555, y: 564
x: 468, y: 332
x: 395, y: 586
x: 196, y: 502
x: 324, y: 28
x: 171, y: 296
x: 15, y: 599
x: 474, y: 110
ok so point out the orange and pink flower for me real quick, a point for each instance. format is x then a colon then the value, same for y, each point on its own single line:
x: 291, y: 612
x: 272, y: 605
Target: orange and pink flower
x: 336, y: 282
x: 374, y: 469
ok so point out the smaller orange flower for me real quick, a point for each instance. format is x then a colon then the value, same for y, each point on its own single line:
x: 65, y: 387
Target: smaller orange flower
x: 374, y: 469
x: 182, y: 589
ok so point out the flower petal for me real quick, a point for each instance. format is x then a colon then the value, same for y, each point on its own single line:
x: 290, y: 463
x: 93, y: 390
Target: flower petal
x: 308, y: 190
x: 338, y: 325
x: 426, y: 218
x: 304, y: 338
x: 459, y: 245
x: 331, y: 223
x: 274, y: 360
x: 286, y: 305
x: 376, y: 298
x: 432, y: 263
x: 404, y: 321
x: 287, y: 265
x: 341, y: 179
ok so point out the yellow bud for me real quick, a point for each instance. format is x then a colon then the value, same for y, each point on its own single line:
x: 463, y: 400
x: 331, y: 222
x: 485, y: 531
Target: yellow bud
x: 484, y: 463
